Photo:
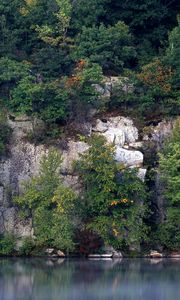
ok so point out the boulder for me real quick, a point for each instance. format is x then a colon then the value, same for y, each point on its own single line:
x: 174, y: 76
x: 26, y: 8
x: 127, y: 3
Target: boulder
x: 104, y: 90
x: 131, y: 134
x: 175, y: 254
x: 120, y: 121
x: 126, y: 125
x: 110, y: 136
x: 115, y: 136
x: 159, y: 132
x: 60, y: 253
x: 117, y: 129
x: 94, y: 256
x: 155, y: 254
x: 128, y: 157
x: 162, y: 131
x: 49, y: 251
x: 100, y: 126
x: 136, y: 145
x: 106, y: 255
x: 115, y: 254
x: 141, y: 174
x: 119, y: 137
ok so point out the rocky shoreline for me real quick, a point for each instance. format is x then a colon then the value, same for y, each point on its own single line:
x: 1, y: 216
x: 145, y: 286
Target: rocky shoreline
x: 51, y: 253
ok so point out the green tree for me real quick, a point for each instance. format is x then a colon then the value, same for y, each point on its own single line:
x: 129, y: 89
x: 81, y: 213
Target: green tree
x: 113, y: 199
x: 57, y: 35
x: 88, y: 13
x: 42, y: 198
x: 7, y: 244
x: 150, y: 92
x: 149, y: 21
x: 169, y: 168
x: 81, y: 88
x: 98, y: 169
x: 110, y: 46
x: 67, y: 98
x: 19, y: 17
x: 155, y: 89
x: 11, y: 72
x: 47, y: 101
x: 171, y: 57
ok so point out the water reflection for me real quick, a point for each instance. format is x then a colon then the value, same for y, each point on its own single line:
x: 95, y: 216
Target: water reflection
x: 126, y: 279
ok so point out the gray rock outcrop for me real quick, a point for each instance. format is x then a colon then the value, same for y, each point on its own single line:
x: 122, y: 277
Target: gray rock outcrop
x: 24, y: 158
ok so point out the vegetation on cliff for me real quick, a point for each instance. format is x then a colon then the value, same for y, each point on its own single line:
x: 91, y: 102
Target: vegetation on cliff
x: 169, y: 230
x: 111, y: 206
x: 54, y: 55
x: 53, y: 52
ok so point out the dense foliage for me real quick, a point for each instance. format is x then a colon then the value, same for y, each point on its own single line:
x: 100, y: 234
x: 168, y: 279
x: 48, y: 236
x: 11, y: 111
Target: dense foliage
x: 113, y: 202
x: 55, y: 56
x: 169, y: 231
x: 43, y: 43
x: 7, y: 244
x: 5, y: 133
x: 50, y: 204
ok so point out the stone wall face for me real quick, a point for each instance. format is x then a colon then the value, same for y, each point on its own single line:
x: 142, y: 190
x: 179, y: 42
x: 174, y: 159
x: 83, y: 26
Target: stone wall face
x: 24, y: 158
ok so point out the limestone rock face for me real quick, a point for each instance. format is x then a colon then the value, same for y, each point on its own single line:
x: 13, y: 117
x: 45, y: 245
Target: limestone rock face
x: 101, y: 126
x: 24, y: 162
x: 1, y: 195
x: 24, y: 159
x: 159, y: 132
x: 21, y: 164
x: 109, y: 83
x: 155, y: 136
x: 11, y: 222
x: 71, y: 155
x: 127, y: 126
x: 119, y: 130
x: 128, y: 157
x: 142, y: 173
x: 73, y: 182
x: 115, y: 135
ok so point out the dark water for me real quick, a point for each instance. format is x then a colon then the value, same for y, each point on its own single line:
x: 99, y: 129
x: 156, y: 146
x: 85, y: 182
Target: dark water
x: 127, y: 279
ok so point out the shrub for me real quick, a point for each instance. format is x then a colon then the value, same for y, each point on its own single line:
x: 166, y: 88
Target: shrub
x: 111, y: 47
x: 27, y: 246
x: 7, y: 244
x: 5, y: 134
x: 51, y: 205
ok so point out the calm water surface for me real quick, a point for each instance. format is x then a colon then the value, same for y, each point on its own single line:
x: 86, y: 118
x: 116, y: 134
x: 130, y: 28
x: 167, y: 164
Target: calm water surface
x: 136, y: 279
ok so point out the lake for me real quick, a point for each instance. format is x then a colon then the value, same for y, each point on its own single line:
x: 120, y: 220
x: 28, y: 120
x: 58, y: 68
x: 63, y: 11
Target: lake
x: 75, y: 279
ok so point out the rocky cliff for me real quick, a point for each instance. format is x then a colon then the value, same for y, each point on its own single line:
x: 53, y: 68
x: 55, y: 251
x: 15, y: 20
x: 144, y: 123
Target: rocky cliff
x: 23, y: 160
